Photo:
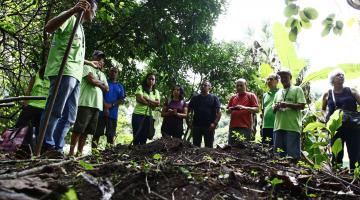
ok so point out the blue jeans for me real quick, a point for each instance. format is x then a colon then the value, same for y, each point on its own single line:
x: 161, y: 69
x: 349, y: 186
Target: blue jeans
x: 141, y: 126
x: 288, y: 142
x: 64, y: 111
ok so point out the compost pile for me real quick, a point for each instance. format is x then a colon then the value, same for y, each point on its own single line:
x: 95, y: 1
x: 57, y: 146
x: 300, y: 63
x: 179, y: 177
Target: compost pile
x: 174, y: 169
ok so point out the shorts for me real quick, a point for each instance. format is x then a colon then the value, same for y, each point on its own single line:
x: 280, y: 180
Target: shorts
x: 86, y: 120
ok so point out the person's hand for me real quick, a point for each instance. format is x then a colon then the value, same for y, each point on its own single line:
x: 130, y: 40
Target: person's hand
x: 107, y: 106
x: 95, y: 64
x: 106, y: 113
x: 175, y: 112
x: 276, y: 106
x: 24, y: 103
x: 283, y: 105
x: 212, y: 127
x: 82, y: 5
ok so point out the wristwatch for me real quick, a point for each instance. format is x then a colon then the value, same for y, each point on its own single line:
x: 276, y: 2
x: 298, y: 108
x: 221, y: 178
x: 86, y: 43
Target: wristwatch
x: 113, y: 105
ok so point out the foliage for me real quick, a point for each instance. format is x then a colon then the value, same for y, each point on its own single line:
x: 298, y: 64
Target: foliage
x: 301, y: 18
x: 286, y: 51
x: 85, y: 165
x: 69, y: 195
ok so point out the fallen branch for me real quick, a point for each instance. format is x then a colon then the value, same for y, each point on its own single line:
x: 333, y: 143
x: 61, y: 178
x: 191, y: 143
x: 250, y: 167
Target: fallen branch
x: 152, y: 192
x: 36, y: 169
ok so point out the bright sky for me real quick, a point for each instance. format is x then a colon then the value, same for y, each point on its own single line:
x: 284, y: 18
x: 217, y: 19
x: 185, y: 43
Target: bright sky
x: 320, y: 51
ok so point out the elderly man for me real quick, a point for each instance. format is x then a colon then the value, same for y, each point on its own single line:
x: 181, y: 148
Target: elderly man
x: 206, y: 108
x: 268, y: 116
x: 241, y: 106
x: 287, y: 107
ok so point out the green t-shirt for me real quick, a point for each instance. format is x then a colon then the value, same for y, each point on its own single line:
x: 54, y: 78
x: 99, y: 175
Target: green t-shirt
x: 142, y: 109
x: 75, y: 62
x: 268, y: 115
x: 40, y: 88
x: 289, y: 119
x: 90, y: 95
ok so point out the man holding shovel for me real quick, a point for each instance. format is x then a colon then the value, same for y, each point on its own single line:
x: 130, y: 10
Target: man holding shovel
x: 66, y: 102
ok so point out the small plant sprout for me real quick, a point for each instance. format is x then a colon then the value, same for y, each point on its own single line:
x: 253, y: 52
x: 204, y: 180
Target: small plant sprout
x: 279, y: 150
x: 275, y: 181
x: 239, y: 136
x: 254, y: 172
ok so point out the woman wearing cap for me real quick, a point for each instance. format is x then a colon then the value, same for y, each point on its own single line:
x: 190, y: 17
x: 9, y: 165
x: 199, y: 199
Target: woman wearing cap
x: 344, y: 98
x: 147, y: 98
x: 174, y: 112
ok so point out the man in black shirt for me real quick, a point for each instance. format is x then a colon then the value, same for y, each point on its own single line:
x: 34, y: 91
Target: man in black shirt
x: 206, y: 108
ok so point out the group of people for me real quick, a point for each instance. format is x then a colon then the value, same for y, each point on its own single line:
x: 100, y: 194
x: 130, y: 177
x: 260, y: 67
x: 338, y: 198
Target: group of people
x: 90, y: 102
x: 85, y: 99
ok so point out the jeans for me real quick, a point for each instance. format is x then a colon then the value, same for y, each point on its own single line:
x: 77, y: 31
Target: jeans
x: 64, y: 111
x: 198, y: 132
x: 141, y: 126
x: 246, y: 132
x: 288, y: 142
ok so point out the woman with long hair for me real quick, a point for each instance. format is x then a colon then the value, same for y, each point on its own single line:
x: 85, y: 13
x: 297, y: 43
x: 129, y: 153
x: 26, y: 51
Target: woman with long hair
x: 174, y: 112
x: 147, y: 98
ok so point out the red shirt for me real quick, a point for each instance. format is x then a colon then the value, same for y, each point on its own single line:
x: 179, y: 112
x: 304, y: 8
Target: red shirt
x: 242, y: 118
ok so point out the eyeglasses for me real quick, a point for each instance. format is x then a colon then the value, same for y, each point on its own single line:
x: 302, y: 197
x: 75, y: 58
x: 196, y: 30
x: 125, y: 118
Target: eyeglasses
x: 270, y: 79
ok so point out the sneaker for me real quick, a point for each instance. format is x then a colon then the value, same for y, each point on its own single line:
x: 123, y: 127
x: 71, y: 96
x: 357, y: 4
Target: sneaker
x: 52, y: 153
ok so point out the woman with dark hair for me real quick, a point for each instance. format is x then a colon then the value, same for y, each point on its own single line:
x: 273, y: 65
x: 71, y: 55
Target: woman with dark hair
x: 346, y: 99
x: 147, y: 98
x: 174, y: 112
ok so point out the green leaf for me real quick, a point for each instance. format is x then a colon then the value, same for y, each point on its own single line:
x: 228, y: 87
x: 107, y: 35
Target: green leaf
x: 293, y: 34
x: 157, y: 156
x: 318, y: 75
x: 334, y: 122
x: 303, y: 16
x: 310, y: 13
x: 289, y: 22
x: 265, y: 69
x: 326, y: 30
x: 337, y: 31
x: 339, y: 24
x: 291, y: 9
x: 337, y: 147
x: 286, y: 51
x: 69, y: 195
x: 313, y: 126
x: 328, y: 20
x: 306, y: 25
x: 276, y: 181
x: 85, y: 165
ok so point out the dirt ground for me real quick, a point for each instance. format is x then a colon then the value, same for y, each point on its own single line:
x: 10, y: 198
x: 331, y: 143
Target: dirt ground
x: 174, y: 169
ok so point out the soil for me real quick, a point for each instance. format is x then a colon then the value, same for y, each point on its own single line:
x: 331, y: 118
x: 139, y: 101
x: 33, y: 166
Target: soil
x: 174, y: 169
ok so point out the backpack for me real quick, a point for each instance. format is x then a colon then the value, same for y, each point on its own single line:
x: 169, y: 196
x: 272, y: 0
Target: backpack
x: 12, y: 138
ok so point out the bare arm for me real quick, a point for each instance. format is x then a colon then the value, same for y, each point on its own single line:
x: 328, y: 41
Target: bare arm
x: 57, y: 21
x: 324, y: 101
x: 90, y: 77
x: 356, y: 95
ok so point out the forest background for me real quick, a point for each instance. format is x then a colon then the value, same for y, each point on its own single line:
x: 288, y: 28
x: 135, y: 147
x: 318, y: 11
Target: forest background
x: 176, y: 40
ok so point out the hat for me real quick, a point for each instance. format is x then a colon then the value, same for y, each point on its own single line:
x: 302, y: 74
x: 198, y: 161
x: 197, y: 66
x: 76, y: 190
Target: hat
x: 284, y: 71
x: 99, y: 54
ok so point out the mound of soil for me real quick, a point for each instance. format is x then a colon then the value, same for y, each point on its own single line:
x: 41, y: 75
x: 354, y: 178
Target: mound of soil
x: 174, y: 169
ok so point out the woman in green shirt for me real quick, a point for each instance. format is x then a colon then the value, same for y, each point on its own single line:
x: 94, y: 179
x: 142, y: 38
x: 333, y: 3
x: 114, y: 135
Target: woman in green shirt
x: 147, y: 98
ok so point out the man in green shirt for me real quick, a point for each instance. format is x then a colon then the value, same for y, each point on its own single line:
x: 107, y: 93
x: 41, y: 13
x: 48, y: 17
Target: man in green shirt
x: 66, y: 103
x: 268, y: 116
x: 287, y: 106
x: 93, y: 85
